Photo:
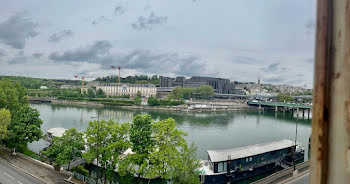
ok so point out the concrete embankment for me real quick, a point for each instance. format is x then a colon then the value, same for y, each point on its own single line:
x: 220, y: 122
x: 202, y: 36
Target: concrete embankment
x: 192, y: 106
x: 195, y: 107
x: 76, y: 102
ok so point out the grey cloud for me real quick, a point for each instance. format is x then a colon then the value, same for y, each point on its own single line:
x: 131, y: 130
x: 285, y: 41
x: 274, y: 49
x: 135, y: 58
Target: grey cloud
x: 17, y: 60
x: 145, y: 60
x: 275, y: 80
x: 61, y: 35
x: 119, y: 10
x: 244, y: 60
x: 20, y: 53
x: 294, y: 82
x: 300, y: 75
x: 147, y: 23
x: 2, y: 53
x: 310, y: 24
x: 88, y: 53
x: 140, y: 60
x: 271, y: 68
x: 37, y: 55
x: 310, y: 60
x: 100, y: 20
x: 16, y: 30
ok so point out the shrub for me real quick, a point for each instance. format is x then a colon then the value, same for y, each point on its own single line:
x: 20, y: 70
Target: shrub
x: 80, y: 169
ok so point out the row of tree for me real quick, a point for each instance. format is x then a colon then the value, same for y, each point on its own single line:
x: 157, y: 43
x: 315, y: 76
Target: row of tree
x: 68, y: 93
x: 180, y: 93
x: 159, y: 149
x: 36, y: 83
x: 137, y: 79
x: 164, y: 102
x: 19, y: 123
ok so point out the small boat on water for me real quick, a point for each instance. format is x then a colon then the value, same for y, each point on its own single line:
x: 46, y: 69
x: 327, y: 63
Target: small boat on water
x: 235, y: 164
x: 54, y: 132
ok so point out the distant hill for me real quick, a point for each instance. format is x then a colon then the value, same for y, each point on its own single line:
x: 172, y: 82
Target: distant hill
x: 35, y: 83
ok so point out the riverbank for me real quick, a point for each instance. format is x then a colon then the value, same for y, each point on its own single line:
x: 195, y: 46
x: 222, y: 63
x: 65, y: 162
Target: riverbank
x: 189, y: 108
x: 206, y: 106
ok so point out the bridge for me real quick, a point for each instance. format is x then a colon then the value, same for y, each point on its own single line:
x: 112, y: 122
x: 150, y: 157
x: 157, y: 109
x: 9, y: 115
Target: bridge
x: 280, y: 104
x: 220, y: 95
x: 283, y: 106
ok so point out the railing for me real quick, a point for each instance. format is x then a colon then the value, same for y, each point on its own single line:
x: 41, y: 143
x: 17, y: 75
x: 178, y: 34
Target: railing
x: 283, y: 174
x: 89, y: 180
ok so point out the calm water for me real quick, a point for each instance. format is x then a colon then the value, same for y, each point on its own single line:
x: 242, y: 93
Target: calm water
x: 207, y: 130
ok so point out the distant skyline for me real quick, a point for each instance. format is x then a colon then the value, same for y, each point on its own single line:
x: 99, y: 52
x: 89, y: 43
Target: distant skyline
x: 233, y: 39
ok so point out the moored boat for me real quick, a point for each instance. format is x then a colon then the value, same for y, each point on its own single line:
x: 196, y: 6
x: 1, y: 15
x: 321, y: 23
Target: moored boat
x: 235, y: 164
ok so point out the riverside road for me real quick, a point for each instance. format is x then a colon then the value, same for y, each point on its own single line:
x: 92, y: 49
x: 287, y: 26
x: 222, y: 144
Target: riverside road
x: 9, y: 175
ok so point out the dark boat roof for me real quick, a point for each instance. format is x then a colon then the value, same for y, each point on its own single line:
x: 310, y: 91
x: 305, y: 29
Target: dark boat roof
x: 247, y: 151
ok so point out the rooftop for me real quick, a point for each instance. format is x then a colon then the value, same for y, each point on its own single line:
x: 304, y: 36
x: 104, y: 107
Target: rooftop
x: 247, y: 151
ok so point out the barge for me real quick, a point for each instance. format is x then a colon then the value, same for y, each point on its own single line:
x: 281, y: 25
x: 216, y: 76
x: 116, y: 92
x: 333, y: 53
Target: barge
x: 237, y: 164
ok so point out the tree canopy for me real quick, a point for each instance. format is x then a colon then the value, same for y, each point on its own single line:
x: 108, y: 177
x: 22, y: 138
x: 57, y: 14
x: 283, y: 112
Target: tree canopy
x: 12, y: 95
x: 25, y: 126
x: 25, y: 123
x: 168, y: 141
x: 141, y: 142
x: 187, y: 170
x: 106, y: 140
x: 180, y: 93
x: 64, y: 149
x: 5, y: 118
x: 284, y: 97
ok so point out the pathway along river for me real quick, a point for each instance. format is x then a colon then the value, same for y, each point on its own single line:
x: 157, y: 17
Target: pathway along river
x: 216, y: 130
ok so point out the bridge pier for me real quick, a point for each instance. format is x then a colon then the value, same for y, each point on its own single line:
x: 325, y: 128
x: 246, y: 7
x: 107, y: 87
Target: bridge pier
x: 276, y: 108
x: 297, y: 112
x: 308, y: 113
x: 303, y: 113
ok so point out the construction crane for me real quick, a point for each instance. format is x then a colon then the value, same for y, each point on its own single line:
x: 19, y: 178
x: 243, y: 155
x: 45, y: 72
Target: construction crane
x: 82, y: 84
x: 114, y: 67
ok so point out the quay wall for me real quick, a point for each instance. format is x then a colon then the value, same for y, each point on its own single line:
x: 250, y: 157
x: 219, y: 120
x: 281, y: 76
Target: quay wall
x: 194, y: 106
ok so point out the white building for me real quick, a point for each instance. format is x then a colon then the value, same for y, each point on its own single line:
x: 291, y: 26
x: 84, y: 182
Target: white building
x: 113, y: 89
x: 43, y: 87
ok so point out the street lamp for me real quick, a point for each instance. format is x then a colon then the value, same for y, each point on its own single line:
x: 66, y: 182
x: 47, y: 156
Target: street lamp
x: 98, y: 138
x: 295, y: 142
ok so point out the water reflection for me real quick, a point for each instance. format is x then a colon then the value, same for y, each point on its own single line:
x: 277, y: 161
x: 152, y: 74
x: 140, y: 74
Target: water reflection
x: 208, y: 130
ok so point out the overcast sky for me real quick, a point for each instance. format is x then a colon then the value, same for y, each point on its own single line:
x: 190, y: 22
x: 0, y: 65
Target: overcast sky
x: 236, y: 39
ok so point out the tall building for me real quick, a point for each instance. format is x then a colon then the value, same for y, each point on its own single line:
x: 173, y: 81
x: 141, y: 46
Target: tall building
x: 165, y: 81
x: 219, y: 85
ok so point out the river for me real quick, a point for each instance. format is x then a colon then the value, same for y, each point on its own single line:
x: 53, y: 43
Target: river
x: 216, y: 130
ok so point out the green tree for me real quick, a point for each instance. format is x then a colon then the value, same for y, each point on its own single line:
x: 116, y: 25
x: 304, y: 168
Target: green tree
x: 106, y: 140
x: 97, y: 136
x: 5, y: 118
x: 176, y: 93
x: 284, y: 97
x: 12, y: 95
x: 100, y: 93
x: 188, y: 169
x: 24, y: 127
x: 139, y: 94
x: 66, y: 148
x: 90, y: 93
x: 187, y: 93
x: 205, y: 91
x: 119, y: 143
x: 153, y: 101
x: 137, y: 100
x: 168, y: 141
x: 141, y: 143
